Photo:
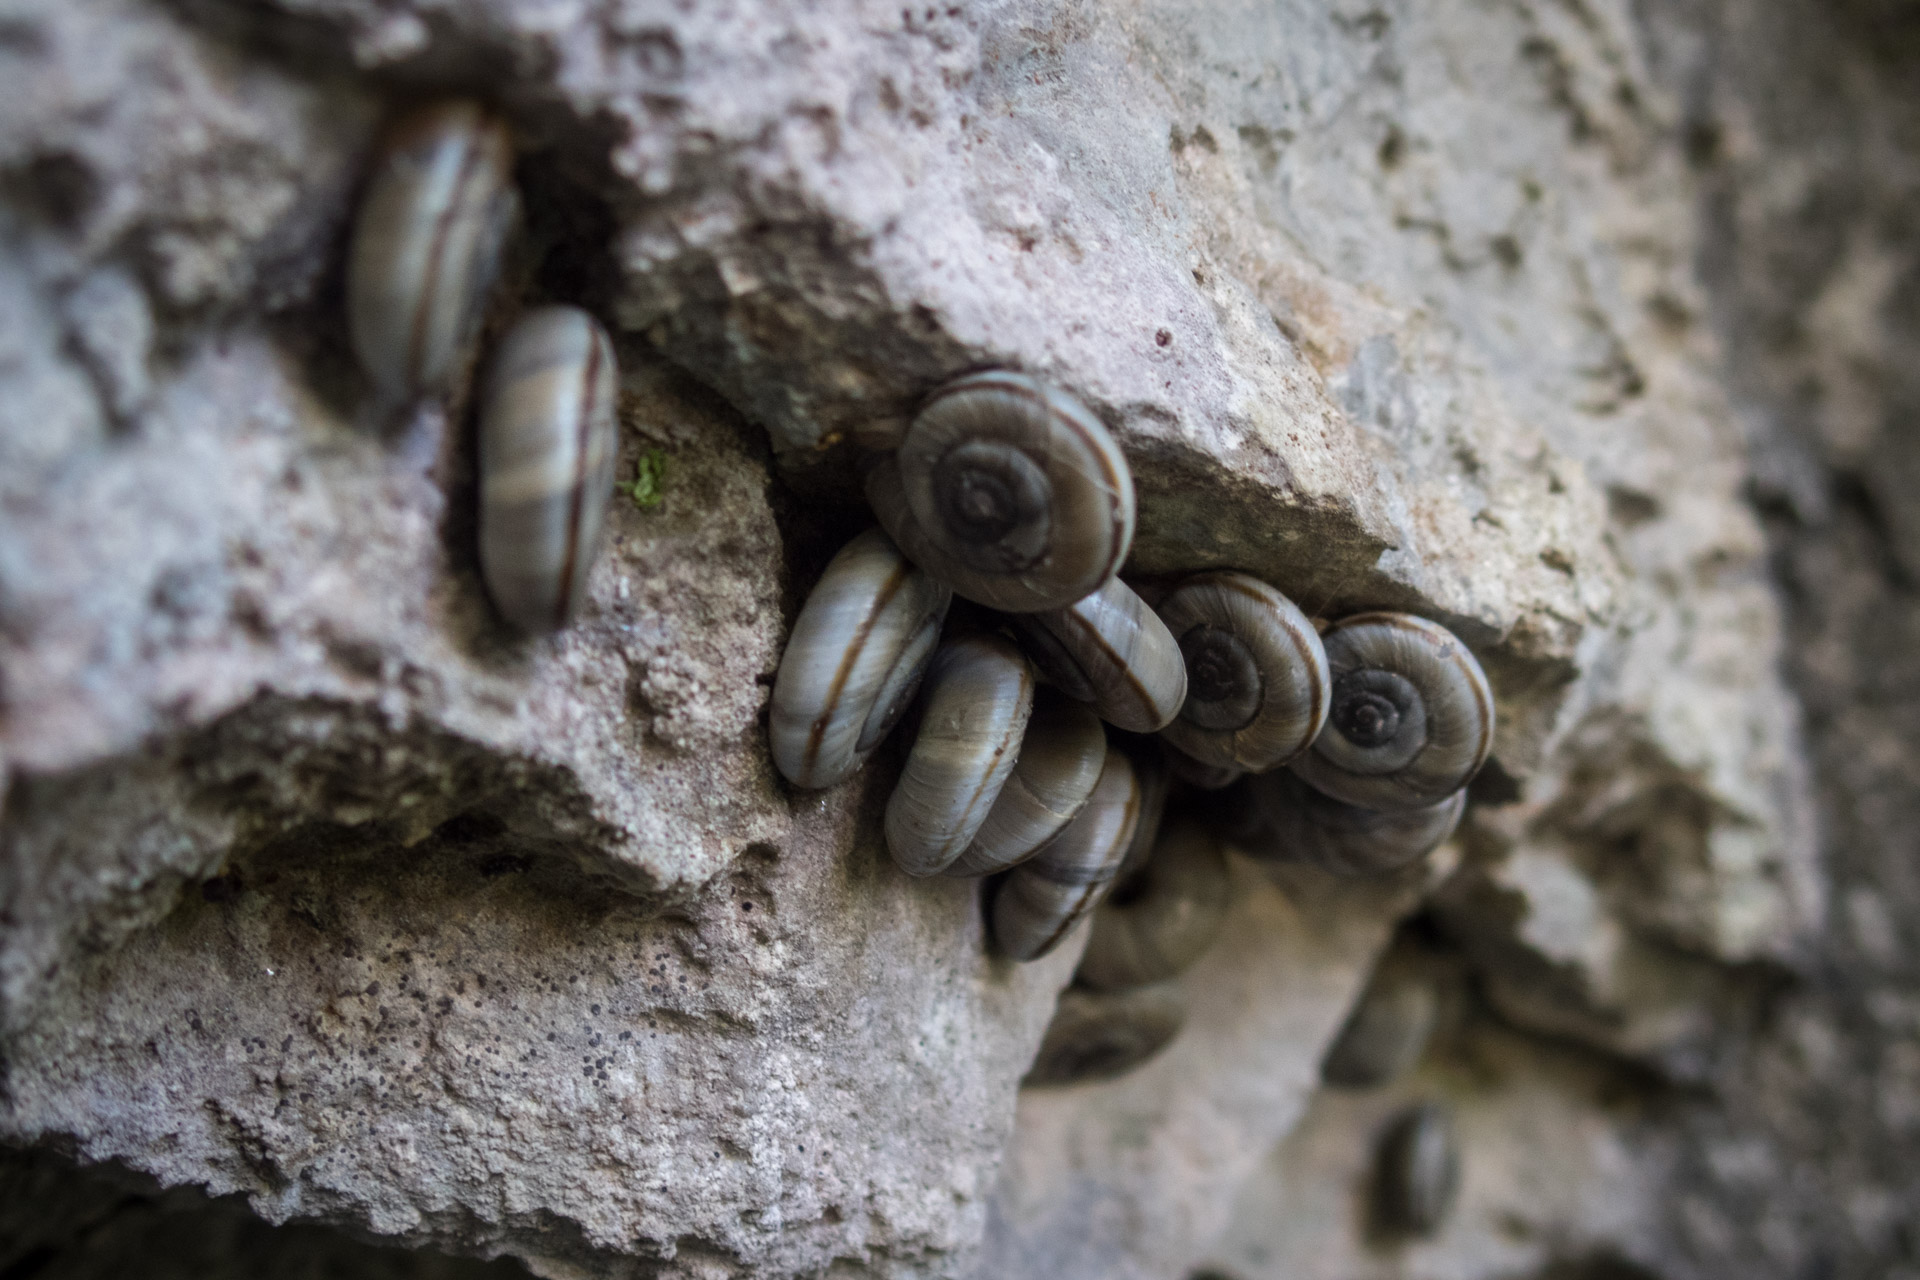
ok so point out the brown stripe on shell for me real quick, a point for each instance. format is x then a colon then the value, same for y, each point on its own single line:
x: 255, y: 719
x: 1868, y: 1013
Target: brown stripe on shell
x: 850, y: 656
x: 436, y: 262
x: 1133, y: 686
x: 577, y: 496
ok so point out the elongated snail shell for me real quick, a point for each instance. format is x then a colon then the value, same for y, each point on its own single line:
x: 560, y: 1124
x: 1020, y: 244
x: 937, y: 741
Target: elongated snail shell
x: 1303, y: 825
x: 1010, y: 492
x: 976, y: 701
x: 1411, y: 719
x: 1097, y: 1035
x: 854, y: 661
x: 1419, y: 1171
x: 1387, y: 1030
x: 1109, y: 649
x: 427, y: 244
x: 1041, y: 900
x: 1060, y: 759
x: 1257, y: 687
x: 548, y: 441
x: 1157, y: 923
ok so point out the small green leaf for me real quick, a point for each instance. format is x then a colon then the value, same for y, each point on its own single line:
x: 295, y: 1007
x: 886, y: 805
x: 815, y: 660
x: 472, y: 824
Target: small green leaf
x: 649, y: 480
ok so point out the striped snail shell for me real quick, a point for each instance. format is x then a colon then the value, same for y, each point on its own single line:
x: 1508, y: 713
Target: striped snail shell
x: 1256, y: 674
x: 548, y: 440
x: 1109, y: 649
x: 1009, y: 491
x: 1041, y: 900
x: 1159, y: 921
x: 854, y: 661
x: 1419, y: 1171
x: 974, y: 710
x: 1060, y: 758
x: 1411, y: 719
x: 1302, y: 825
x: 1387, y: 1030
x: 1150, y: 772
x: 427, y: 243
x: 1097, y: 1035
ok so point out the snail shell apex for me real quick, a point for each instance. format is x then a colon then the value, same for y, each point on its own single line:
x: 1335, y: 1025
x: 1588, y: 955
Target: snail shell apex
x: 1041, y: 900
x: 1097, y: 1035
x: 1257, y: 679
x: 1155, y: 925
x: 1412, y: 715
x: 1009, y: 491
x: 977, y: 698
x: 427, y: 243
x: 854, y: 660
x: 548, y: 441
x: 1109, y: 649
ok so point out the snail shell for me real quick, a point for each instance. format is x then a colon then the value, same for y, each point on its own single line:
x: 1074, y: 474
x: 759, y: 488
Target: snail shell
x: 1150, y: 772
x: 1302, y: 825
x: 1097, y: 1035
x: 1419, y: 1170
x: 1060, y: 759
x: 1009, y: 491
x: 1387, y: 1030
x: 1411, y: 719
x: 854, y: 661
x: 1257, y: 686
x: 548, y: 440
x: 427, y: 244
x: 1109, y: 649
x: 974, y: 710
x: 1205, y: 777
x: 1159, y: 921
x: 1041, y: 900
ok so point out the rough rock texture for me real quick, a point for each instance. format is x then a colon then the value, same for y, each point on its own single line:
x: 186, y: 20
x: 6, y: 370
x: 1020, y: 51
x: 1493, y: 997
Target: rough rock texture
x: 321, y: 892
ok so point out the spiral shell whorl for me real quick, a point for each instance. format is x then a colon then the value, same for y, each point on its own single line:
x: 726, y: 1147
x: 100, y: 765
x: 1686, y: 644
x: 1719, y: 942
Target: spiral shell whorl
x: 1412, y: 716
x: 1041, y: 900
x: 975, y: 704
x: 856, y: 655
x: 427, y: 244
x: 548, y: 441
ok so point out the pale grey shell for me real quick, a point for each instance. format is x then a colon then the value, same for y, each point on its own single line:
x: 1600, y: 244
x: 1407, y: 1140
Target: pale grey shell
x: 1041, y: 900
x: 854, y: 661
x: 1411, y: 716
x: 427, y: 243
x: 1419, y: 1171
x: 1061, y: 754
x: 548, y: 441
x: 1109, y: 649
x: 1009, y: 491
x: 1387, y: 1030
x: 1159, y: 921
x: 975, y: 704
x: 1303, y: 825
x: 1257, y: 685
x: 1097, y: 1035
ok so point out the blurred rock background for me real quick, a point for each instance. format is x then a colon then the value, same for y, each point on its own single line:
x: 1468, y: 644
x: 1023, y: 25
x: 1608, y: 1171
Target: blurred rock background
x: 343, y: 933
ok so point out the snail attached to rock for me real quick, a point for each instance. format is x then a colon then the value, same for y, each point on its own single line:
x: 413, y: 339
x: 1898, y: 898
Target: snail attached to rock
x: 427, y: 244
x: 854, y: 660
x: 1060, y: 758
x: 1257, y: 676
x: 1299, y: 824
x: 1039, y: 902
x: 1111, y: 650
x: 1098, y: 1035
x: 548, y: 440
x: 1388, y: 1028
x: 1161, y: 919
x: 1417, y: 1178
x: 1411, y: 719
x: 1009, y: 491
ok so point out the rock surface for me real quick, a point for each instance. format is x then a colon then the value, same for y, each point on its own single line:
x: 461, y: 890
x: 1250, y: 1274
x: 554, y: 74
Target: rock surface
x: 322, y: 892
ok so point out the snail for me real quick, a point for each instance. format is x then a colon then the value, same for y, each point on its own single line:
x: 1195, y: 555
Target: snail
x: 1109, y: 649
x: 1160, y: 920
x: 1060, y: 759
x: 1008, y: 491
x: 427, y: 244
x: 1299, y: 824
x: 1097, y: 1035
x: 854, y: 661
x: 1256, y: 674
x: 1040, y: 901
x: 1150, y: 772
x: 1411, y: 719
x: 1387, y: 1030
x: 975, y: 705
x: 1418, y: 1176
x: 548, y: 440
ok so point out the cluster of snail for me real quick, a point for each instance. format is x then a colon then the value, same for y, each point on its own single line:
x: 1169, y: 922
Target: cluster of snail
x: 1348, y: 746
x: 428, y: 241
